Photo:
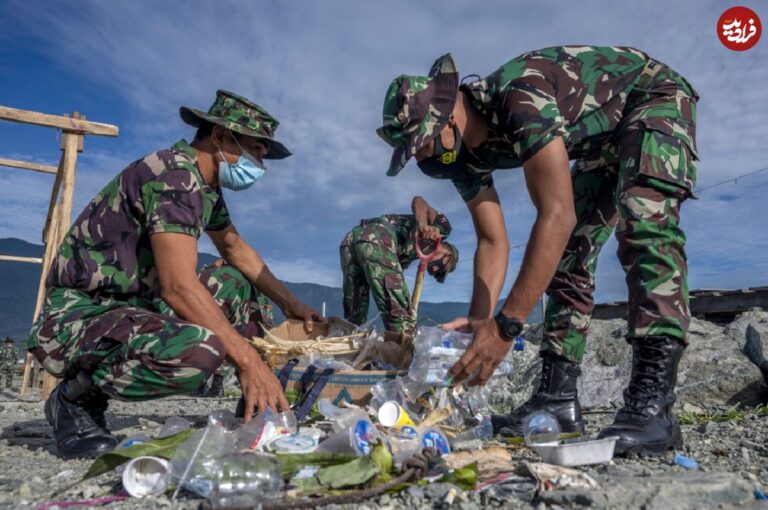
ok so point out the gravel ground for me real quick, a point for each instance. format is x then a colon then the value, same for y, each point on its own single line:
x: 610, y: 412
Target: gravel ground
x: 733, y: 460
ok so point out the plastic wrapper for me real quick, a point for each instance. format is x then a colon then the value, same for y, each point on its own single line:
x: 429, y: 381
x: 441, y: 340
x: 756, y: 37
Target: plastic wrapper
x: 436, y: 351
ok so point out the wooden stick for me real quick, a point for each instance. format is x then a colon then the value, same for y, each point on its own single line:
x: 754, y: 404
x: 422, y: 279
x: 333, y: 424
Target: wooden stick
x: 12, y: 258
x: 71, y: 142
x: 57, y: 121
x: 26, y: 378
x: 417, y: 292
x: 14, y: 163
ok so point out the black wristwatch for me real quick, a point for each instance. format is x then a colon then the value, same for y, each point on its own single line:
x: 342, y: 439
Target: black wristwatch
x: 509, y: 327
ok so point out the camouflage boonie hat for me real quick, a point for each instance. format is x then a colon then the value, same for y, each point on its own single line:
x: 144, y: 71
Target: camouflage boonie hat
x: 416, y: 108
x: 241, y: 115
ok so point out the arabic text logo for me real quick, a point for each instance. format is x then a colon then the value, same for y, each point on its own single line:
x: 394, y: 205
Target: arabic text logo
x: 739, y: 28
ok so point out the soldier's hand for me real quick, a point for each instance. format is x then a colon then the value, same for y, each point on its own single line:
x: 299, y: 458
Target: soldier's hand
x: 460, y: 324
x: 300, y: 311
x: 261, y: 389
x: 483, y: 356
x: 430, y: 232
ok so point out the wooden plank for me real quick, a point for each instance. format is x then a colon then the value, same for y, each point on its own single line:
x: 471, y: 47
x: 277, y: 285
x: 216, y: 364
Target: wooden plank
x: 12, y: 258
x: 14, y: 163
x: 71, y: 141
x: 57, y: 121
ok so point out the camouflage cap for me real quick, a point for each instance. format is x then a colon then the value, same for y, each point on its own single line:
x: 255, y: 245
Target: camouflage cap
x: 416, y: 108
x: 241, y: 115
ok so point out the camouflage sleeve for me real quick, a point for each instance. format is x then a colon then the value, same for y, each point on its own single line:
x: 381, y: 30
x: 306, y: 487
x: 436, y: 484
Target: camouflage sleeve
x: 470, y: 184
x: 529, y: 114
x: 219, y: 215
x: 442, y: 224
x: 173, y: 202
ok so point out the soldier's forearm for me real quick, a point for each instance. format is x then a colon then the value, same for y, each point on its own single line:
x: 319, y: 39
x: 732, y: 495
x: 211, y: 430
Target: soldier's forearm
x: 549, y: 237
x: 490, y: 272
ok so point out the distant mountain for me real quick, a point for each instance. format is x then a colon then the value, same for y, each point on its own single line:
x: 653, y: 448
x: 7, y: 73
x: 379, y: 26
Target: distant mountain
x: 19, y: 280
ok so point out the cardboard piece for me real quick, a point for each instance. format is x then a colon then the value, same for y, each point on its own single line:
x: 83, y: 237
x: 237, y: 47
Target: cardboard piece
x: 351, y: 386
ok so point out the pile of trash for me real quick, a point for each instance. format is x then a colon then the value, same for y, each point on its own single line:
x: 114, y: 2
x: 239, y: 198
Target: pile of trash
x: 416, y: 417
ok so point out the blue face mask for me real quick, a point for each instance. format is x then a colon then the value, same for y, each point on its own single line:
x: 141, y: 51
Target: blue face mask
x: 241, y: 175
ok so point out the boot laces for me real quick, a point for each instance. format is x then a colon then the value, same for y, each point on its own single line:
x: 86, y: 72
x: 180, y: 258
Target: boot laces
x: 647, y: 381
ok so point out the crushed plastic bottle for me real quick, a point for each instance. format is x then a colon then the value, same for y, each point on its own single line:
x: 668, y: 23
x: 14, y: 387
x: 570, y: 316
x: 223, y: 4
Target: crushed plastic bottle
x: 244, y: 480
x: 264, y: 428
x: 540, y: 427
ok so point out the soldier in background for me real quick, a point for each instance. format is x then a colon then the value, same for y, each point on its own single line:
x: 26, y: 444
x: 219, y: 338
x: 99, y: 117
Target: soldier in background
x: 374, y: 255
x: 9, y: 361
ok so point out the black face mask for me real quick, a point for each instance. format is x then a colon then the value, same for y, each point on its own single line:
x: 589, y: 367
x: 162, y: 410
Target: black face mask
x: 444, y: 163
x: 438, y: 269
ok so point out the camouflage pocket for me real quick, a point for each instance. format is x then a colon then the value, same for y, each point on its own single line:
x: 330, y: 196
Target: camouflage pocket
x: 667, y: 163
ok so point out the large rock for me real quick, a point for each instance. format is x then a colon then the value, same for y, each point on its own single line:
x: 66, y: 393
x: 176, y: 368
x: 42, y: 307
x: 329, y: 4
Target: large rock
x: 714, y: 369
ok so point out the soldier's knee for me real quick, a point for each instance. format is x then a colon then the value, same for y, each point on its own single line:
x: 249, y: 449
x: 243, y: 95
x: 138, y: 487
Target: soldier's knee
x: 191, y: 348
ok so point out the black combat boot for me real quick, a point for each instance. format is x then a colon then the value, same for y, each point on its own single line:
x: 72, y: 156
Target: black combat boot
x: 646, y: 425
x: 75, y: 410
x: 556, y: 394
x: 216, y: 389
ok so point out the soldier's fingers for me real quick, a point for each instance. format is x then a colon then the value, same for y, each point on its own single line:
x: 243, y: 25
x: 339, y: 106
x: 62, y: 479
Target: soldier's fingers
x: 250, y: 404
x: 263, y: 403
x: 283, y: 402
x: 456, y: 323
x: 486, y: 370
x: 464, y: 367
x: 308, y: 323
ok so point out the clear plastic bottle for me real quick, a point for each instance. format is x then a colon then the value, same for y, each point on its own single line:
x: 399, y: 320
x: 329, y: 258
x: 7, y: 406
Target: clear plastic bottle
x: 245, y: 480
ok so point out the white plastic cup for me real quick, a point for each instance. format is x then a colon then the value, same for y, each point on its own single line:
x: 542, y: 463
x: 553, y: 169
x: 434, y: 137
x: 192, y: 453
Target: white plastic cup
x: 391, y: 414
x: 146, y: 476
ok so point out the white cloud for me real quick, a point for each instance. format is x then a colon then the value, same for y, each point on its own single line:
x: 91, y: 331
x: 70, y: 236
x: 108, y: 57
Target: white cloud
x: 322, y: 68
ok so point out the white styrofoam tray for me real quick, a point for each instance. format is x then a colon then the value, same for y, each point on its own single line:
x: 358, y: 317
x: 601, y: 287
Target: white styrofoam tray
x: 577, y: 453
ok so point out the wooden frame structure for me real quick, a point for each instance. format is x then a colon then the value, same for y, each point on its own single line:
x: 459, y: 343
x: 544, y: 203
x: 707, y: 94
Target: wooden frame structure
x: 73, y: 130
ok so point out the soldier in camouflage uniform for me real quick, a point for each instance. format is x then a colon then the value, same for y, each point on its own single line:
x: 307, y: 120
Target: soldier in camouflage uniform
x: 628, y: 121
x: 126, y: 315
x: 9, y: 361
x: 374, y: 255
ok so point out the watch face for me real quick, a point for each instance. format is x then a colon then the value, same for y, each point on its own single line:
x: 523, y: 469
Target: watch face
x: 513, y: 329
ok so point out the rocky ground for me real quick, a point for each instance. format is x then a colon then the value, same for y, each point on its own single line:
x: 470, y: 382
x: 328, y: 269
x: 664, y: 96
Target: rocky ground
x: 731, y: 447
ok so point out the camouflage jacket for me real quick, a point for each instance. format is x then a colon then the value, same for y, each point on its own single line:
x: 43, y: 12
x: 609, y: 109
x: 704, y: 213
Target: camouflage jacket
x: 405, y: 229
x: 579, y: 93
x: 107, y: 250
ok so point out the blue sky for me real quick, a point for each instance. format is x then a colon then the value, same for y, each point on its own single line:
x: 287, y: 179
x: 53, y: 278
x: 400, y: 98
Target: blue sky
x: 322, y: 68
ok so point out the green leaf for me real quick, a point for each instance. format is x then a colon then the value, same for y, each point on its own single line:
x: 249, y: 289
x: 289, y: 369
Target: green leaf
x: 382, y: 458
x: 164, y: 448
x: 351, y: 474
x: 465, y: 478
x: 291, y: 463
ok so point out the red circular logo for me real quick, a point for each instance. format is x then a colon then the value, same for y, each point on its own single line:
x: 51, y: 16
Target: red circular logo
x: 739, y: 28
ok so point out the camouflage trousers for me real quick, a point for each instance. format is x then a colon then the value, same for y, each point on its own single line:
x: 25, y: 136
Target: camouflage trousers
x: 370, y: 265
x: 635, y: 185
x: 137, y: 350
